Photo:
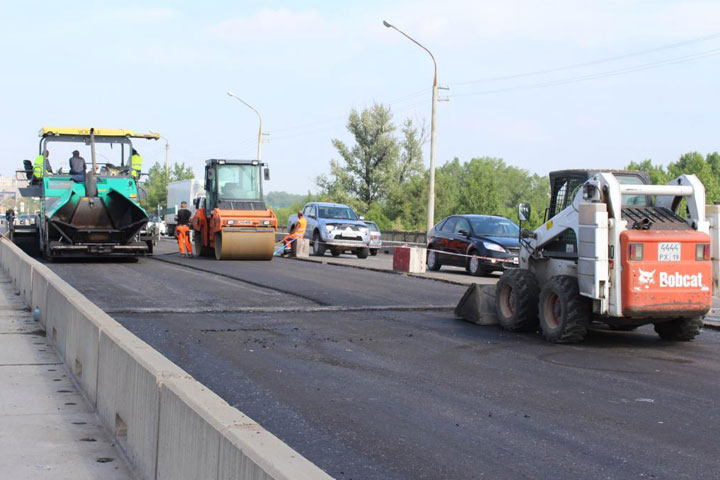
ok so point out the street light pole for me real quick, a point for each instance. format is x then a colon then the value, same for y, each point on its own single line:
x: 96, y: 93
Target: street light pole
x: 167, y: 155
x: 260, y: 134
x: 433, y: 130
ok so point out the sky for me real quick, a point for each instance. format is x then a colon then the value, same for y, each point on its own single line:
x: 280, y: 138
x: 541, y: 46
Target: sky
x: 543, y: 85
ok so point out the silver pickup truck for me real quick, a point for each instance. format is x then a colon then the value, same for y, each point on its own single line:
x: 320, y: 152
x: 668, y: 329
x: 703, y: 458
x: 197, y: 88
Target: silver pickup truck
x: 334, y: 227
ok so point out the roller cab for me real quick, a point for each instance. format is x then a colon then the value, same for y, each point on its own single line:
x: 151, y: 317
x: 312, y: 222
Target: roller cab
x: 232, y: 221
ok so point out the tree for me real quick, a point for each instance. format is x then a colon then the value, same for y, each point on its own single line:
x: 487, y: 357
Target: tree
x: 156, y: 184
x: 368, y: 167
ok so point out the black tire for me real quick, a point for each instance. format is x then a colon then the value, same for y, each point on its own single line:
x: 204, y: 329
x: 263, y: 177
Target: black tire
x: 679, y: 329
x: 218, y: 246
x: 335, y: 252
x: 564, y: 314
x: 433, y: 260
x: 362, y: 252
x: 475, y: 266
x: 516, y: 301
x: 318, y: 247
x: 200, y: 250
x: 373, y: 251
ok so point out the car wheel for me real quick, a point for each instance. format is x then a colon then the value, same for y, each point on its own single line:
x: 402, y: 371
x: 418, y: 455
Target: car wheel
x: 363, y: 252
x: 475, y: 266
x: 433, y: 262
x: 373, y: 251
x: 335, y: 252
x: 318, y: 247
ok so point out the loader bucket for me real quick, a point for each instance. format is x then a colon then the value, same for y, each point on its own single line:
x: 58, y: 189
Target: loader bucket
x: 245, y: 244
x: 112, y: 219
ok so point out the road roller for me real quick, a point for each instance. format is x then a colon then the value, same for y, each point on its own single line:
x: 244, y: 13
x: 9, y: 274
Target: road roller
x: 91, y: 213
x: 232, y: 221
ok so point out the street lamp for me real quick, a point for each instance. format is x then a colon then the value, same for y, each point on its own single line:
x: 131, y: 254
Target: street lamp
x: 433, y: 123
x: 260, y: 134
x: 167, y: 155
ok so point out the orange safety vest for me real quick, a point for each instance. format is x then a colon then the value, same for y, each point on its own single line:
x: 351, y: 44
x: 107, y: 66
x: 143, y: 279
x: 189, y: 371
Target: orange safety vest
x: 299, y: 231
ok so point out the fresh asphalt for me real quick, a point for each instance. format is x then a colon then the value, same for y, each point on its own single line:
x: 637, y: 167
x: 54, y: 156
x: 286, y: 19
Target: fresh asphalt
x: 403, y: 390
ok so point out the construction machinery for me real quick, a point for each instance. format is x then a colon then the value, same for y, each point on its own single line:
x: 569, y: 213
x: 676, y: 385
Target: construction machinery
x: 613, y: 249
x: 232, y: 220
x: 92, y: 214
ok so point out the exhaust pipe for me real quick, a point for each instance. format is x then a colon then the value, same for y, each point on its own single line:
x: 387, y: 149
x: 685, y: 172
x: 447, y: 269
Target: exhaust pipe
x: 90, y: 180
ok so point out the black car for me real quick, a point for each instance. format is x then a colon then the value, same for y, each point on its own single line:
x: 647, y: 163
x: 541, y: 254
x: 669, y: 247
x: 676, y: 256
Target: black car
x: 480, y: 243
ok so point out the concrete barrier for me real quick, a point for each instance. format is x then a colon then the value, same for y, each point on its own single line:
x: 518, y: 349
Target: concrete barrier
x: 409, y: 259
x: 168, y: 424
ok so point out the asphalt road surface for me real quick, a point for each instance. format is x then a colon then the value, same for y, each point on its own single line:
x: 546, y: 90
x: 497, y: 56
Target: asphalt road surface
x: 403, y: 390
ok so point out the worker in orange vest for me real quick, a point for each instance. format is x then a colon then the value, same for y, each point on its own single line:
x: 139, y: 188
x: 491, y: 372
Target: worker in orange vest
x: 297, y: 233
x: 182, y: 230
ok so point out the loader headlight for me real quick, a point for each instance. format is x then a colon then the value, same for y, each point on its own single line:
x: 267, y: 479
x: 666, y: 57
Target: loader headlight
x: 494, y: 247
x: 231, y: 222
x: 266, y: 222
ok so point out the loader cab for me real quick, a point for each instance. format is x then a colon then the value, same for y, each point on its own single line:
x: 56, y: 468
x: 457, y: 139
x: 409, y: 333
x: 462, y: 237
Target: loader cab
x: 234, y: 184
x: 564, y: 185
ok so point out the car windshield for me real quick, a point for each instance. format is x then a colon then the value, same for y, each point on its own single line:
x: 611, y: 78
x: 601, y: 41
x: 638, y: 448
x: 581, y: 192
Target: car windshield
x: 496, y: 227
x: 336, y: 213
x: 239, y: 182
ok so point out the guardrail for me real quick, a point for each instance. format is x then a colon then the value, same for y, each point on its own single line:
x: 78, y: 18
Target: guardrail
x: 169, y: 425
x: 400, y: 236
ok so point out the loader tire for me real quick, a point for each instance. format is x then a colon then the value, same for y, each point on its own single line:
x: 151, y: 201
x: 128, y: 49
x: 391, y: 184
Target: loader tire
x: 516, y: 301
x: 679, y: 329
x: 564, y: 314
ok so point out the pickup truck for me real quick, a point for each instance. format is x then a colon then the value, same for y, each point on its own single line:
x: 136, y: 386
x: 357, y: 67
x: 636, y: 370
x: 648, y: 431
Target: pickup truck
x: 335, y: 227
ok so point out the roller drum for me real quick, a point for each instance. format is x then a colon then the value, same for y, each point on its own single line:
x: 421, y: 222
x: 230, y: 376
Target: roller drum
x: 244, y: 244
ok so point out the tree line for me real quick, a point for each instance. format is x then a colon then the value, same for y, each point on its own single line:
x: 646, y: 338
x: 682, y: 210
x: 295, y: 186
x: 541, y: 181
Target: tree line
x: 382, y: 176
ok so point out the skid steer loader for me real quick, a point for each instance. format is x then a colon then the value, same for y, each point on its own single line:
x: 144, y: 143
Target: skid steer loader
x: 614, y: 249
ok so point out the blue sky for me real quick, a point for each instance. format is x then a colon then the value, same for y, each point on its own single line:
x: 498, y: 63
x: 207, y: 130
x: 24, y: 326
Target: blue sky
x: 166, y: 66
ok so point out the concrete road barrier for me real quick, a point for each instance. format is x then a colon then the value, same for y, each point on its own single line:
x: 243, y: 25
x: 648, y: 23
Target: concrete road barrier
x: 169, y: 425
x: 409, y: 259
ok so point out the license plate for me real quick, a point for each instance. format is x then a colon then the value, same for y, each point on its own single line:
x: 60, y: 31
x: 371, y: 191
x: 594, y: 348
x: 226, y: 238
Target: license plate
x: 669, y: 251
x: 515, y: 260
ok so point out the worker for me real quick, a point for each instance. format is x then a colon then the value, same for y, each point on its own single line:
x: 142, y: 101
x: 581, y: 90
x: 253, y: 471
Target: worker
x: 182, y: 230
x: 297, y: 233
x: 77, y: 167
x: 135, y: 164
x: 9, y: 215
x: 42, y: 163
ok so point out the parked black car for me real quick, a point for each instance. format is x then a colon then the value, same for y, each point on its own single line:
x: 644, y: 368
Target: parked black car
x: 492, y: 243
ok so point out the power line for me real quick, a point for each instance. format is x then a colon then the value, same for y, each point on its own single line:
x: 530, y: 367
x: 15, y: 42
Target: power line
x: 590, y: 63
x: 611, y: 73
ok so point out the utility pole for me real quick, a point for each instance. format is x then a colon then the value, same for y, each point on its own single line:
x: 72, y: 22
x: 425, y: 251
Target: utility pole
x: 433, y: 129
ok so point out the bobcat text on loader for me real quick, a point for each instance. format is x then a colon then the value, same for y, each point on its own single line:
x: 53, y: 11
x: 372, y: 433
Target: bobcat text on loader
x: 232, y: 220
x: 614, y: 249
x: 92, y: 215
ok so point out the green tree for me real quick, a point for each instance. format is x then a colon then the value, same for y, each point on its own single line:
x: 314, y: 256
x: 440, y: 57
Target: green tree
x: 157, y: 181
x: 658, y: 175
x: 366, y: 171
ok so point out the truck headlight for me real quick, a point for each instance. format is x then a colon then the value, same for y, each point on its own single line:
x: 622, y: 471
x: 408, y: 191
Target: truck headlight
x: 363, y: 230
x: 231, y: 222
x: 494, y: 247
x: 266, y: 222
x: 329, y: 228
